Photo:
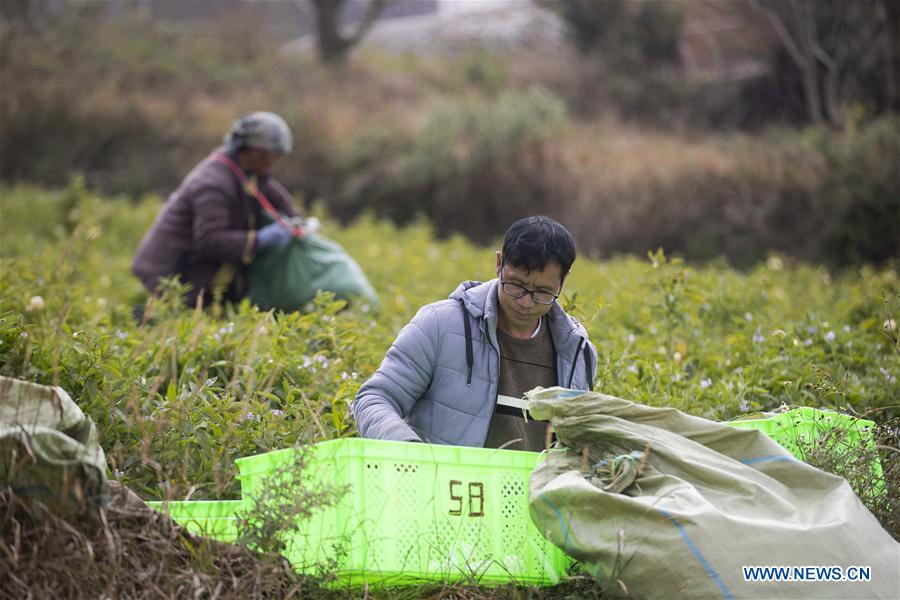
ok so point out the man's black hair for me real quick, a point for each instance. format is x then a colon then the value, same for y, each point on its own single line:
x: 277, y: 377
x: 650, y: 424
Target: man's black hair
x: 534, y: 242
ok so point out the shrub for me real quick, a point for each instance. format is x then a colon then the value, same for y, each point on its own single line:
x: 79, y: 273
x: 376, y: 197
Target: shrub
x: 878, y: 488
x: 861, y: 192
x: 474, y: 166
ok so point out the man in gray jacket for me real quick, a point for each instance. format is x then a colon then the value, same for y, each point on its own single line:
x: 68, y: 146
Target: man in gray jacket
x: 457, y: 372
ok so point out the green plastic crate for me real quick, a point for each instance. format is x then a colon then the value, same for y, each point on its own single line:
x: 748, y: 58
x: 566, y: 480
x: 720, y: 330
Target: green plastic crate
x: 214, y: 519
x: 416, y: 512
x: 801, y: 427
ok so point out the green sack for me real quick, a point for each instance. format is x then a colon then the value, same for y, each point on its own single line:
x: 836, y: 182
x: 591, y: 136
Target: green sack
x: 667, y: 505
x: 288, y: 278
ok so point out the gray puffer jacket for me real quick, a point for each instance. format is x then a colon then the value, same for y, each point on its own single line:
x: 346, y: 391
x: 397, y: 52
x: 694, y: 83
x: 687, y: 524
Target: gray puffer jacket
x: 438, y: 382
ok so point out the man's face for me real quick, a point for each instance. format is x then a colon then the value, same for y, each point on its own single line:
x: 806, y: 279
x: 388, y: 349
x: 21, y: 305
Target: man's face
x: 524, y: 312
x: 260, y: 161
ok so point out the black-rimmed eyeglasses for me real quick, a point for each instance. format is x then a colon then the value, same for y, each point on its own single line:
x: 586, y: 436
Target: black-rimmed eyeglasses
x: 517, y: 291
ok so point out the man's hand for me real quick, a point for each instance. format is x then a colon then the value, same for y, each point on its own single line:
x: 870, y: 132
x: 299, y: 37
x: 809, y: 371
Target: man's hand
x: 275, y: 235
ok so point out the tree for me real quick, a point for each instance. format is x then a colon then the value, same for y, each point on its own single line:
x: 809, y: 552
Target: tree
x: 333, y: 45
x: 843, y: 51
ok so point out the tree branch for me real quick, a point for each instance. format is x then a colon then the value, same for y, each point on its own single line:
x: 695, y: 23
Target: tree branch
x: 782, y: 31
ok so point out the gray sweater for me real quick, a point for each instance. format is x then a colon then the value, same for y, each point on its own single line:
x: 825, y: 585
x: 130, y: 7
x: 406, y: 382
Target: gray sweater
x: 427, y: 388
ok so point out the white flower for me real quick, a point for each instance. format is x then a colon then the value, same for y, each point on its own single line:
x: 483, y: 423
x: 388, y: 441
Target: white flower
x: 630, y: 338
x: 24, y: 335
x: 748, y: 316
x: 705, y: 383
x: 320, y: 361
x: 889, y: 325
x: 632, y: 369
x: 677, y: 357
x: 35, y: 304
x: 829, y: 337
x: 846, y: 329
x: 365, y: 308
x: 121, y: 334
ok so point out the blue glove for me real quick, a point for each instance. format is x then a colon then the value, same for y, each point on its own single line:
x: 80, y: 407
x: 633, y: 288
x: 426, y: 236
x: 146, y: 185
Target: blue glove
x: 273, y: 234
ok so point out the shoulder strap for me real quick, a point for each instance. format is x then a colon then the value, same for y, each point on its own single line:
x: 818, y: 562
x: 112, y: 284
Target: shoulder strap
x: 255, y: 192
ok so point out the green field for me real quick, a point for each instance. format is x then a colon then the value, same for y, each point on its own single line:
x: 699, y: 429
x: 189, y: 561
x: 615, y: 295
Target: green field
x: 178, y: 399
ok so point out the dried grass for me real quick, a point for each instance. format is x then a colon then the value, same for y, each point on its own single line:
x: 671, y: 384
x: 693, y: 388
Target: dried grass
x: 128, y: 550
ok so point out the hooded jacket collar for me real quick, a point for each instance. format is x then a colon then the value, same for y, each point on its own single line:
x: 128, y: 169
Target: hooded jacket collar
x: 480, y: 300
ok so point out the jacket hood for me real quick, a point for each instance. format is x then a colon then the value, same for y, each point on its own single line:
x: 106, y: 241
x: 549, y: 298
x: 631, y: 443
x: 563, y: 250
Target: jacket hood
x: 480, y: 299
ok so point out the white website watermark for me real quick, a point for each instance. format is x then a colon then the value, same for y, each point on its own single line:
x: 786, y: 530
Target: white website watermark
x: 806, y: 573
